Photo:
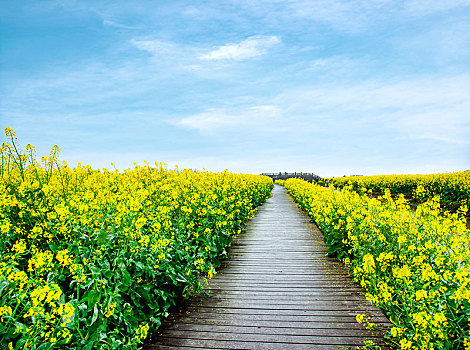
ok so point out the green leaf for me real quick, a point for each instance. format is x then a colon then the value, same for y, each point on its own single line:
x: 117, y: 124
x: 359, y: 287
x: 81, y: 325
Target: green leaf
x: 104, y: 264
x: 53, y: 247
x: 140, y: 265
x: 95, y: 314
x: 83, y: 307
x: 89, y: 346
x: 116, y: 344
x: 89, y: 283
x: 92, y: 298
x: 126, y: 281
x: 95, y: 270
x: 102, y: 237
x: 181, y: 278
x: 107, y: 273
x: 3, y: 285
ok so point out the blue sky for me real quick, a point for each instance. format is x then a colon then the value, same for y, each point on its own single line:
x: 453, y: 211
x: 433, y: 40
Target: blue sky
x: 325, y: 86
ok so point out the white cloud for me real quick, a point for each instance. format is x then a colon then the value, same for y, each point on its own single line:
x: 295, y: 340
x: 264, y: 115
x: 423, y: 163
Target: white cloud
x: 250, y: 47
x: 169, y: 58
x: 172, y: 59
x: 335, y: 65
x: 154, y: 47
x: 219, y: 118
x: 117, y: 25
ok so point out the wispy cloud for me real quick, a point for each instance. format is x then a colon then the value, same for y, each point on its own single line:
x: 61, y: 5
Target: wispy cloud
x: 171, y: 59
x: 338, y: 65
x: 220, y: 118
x: 110, y: 23
x: 250, y: 47
x: 154, y: 47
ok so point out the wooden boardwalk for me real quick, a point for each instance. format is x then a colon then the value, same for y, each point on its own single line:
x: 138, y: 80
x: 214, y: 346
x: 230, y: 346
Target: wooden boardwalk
x: 277, y: 290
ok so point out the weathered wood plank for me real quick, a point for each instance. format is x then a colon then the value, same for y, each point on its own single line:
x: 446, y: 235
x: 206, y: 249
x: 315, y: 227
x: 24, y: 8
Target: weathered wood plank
x: 295, y: 331
x: 178, y: 343
x: 287, y: 312
x: 351, y: 339
x: 273, y: 294
x: 277, y: 290
x: 298, y: 320
x: 303, y: 309
x: 273, y: 285
x: 314, y: 279
x: 255, y: 339
x: 280, y: 299
x: 285, y: 290
x: 318, y: 322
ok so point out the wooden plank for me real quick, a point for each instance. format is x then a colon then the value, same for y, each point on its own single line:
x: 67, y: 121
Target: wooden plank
x: 274, y: 285
x: 273, y: 335
x: 280, y: 270
x: 279, y: 259
x: 272, y: 281
x: 325, y: 311
x: 351, y: 307
x: 179, y: 343
x: 273, y: 317
x: 284, y: 289
x: 283, y: 298
x: 271, y: 338
x: 271, y: 295
x: 318, y: 322
x: 303, y: 304
x: 274, y: 277
x: 295, y: 331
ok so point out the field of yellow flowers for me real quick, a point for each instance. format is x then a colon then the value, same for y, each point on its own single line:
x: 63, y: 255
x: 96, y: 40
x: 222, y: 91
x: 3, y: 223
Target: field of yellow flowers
x: 453, y: 189
x: 414, y: 265
x: 93, y: 259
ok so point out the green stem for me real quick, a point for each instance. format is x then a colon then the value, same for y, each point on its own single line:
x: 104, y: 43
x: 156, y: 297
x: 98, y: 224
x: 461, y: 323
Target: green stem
x: 20, y: 165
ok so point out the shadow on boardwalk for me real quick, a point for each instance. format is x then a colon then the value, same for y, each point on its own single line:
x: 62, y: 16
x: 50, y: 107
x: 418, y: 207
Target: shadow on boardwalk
x: 277, y: 290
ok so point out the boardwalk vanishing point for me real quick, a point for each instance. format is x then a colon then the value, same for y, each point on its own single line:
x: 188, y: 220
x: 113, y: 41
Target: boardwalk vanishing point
x: 277, y: 290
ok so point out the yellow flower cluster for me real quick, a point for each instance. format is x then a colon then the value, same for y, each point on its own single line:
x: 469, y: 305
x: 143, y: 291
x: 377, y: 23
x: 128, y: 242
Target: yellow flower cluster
x: 451, y: 188
x: 110, y: 311
x: 66, y: 311
x: 414, y: 264
x: 87, y: 255
x: 5, y: 311
x: 141, y: 332
x: 64, y: 258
